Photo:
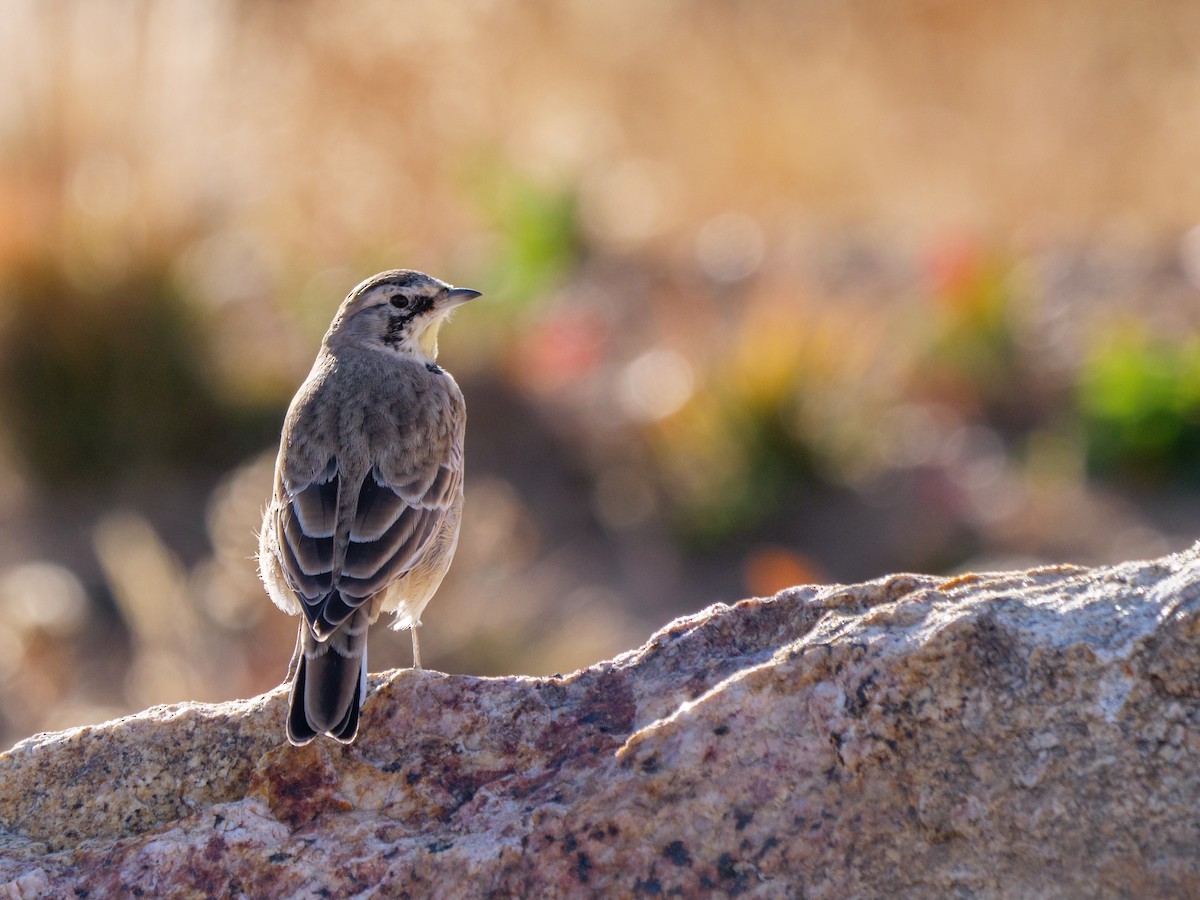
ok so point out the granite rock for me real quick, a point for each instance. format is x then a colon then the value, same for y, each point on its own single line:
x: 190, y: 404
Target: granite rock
x: 1017, y: 734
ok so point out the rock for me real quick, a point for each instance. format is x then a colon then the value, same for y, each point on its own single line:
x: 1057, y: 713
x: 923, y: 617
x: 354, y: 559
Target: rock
x: 1022, y: 734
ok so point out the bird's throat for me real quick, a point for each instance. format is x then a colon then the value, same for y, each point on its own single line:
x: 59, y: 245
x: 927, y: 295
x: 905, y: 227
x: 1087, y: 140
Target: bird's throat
x: 427, y: 342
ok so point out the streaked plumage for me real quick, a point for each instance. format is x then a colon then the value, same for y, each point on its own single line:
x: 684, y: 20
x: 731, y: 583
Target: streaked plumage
x: 368, y: 492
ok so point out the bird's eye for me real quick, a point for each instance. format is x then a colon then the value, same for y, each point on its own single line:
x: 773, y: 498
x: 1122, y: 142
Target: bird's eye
x: 399, y: 301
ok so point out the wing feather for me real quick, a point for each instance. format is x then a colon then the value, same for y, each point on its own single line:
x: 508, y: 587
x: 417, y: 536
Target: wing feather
x: 381, y: 567
x: 345, y: 534
x: 305, y: 536
x: 313, y: 555
x: 364, y: 557
x: 378, y: 509
x: 316, y: 505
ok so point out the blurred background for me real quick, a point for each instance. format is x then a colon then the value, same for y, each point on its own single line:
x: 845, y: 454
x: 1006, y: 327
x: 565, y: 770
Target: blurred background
x: 776, y: 293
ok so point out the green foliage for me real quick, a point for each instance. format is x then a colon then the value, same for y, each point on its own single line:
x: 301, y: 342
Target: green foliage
x: 762, y: 465
x: 973, y: 356
x: 108, y: 378
x: 1140, y: 403
x: 535, y: 229
x: 766, y: 425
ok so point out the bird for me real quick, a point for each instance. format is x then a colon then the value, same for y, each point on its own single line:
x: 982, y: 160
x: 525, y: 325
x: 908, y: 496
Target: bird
x: 367, y: 499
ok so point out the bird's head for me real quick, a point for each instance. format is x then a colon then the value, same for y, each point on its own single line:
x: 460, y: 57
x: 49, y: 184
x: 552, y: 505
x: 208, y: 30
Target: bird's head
x: 397, y: 311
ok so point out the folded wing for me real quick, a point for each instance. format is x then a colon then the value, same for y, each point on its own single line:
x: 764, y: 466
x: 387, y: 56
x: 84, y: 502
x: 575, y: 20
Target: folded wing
x: 334, y: 566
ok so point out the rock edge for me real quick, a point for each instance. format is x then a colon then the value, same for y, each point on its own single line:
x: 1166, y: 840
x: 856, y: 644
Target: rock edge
x: 1010, y: 734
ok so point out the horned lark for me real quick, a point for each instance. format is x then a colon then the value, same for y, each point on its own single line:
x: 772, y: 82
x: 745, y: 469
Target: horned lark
x: 368, y: 492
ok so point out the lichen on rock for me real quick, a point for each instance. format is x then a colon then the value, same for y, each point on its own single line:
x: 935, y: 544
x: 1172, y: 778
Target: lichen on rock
x: 1029, y: 733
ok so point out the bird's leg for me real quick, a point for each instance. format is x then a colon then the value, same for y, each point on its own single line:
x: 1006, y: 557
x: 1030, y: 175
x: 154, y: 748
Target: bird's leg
x: 416, y: 648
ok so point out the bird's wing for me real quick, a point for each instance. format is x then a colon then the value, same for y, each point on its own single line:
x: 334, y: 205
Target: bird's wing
x: 306, y: 516
x: 393, y: 525
x: 341, y: 543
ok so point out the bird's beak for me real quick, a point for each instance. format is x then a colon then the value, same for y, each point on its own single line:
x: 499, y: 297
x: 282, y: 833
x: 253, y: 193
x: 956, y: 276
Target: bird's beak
x: 459, y: 296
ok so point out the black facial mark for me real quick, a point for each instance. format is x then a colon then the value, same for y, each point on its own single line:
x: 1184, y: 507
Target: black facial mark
x: 396, y: 326
x: 409, y: 308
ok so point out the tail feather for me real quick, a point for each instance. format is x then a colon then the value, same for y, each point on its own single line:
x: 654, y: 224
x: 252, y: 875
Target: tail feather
x: 299, y: 732
x: 330, y: 682
x: 346, y: 730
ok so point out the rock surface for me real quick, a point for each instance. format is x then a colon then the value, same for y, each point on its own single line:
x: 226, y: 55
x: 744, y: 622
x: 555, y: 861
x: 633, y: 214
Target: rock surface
x: 1020, y: 734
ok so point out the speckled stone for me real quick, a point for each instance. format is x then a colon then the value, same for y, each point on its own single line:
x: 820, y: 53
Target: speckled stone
x: 1020, y: 734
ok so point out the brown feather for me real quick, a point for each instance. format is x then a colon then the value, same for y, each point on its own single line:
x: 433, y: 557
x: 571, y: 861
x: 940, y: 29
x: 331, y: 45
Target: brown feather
x: 368, y: 491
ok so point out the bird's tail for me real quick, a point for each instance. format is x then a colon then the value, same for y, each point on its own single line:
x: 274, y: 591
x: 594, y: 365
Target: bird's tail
x: 330, y: 681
